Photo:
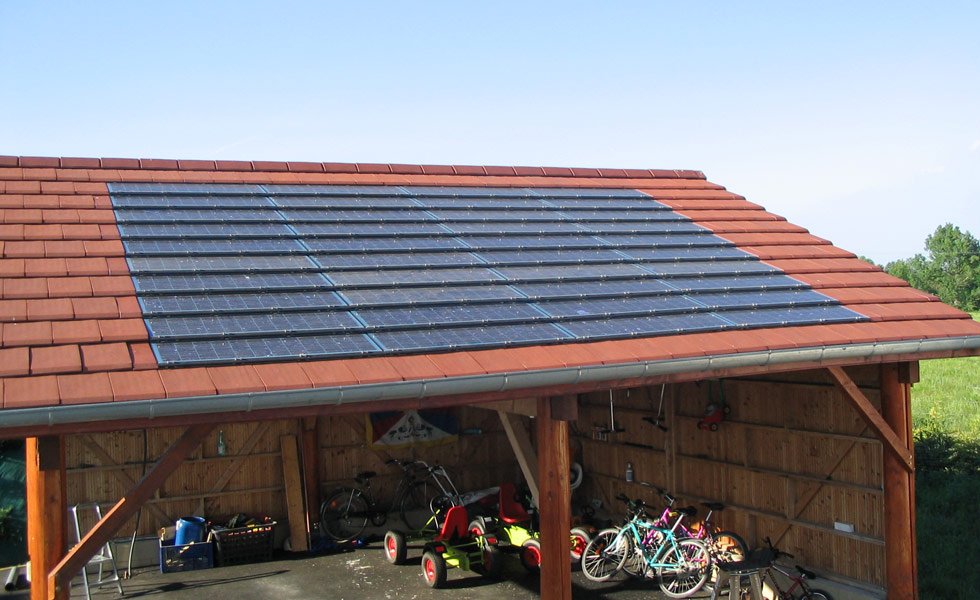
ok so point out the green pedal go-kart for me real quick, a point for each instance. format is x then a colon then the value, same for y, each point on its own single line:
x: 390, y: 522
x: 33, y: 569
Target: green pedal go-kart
x: 517, y: 528
x: 454, y: 546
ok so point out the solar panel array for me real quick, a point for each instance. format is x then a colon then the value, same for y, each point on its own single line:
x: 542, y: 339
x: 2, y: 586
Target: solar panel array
x: 253, y: 273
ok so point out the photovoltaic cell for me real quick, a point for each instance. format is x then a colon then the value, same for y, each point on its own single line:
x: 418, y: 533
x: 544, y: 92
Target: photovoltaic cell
x: 263, y: 349
x: 204, y: 230
x: 353, y: 216
x: 618, y: 306
x: 691, y: 253
x: 383, y: 244
x: 406, y: 260
x: 158, y: 247
x: 480, y: 203
x: 444, y: 314
x: 773, y: 317
x: 175, y: 201
x: 220, y: 264
x: 517, y: 242
x: 652, y: 325
x: 334, y: 190
x: 551, y: 256
x: 380, y: 229
x: 690, y: 268
x: 191, y: 215
x: 166, y: 328
x: 583, y: 289
x: 363, y: 202
x: 238, y: 281
x: 183, y: 188
x: 407, y: 277
x: 462, y: 337
x: 571, y: 271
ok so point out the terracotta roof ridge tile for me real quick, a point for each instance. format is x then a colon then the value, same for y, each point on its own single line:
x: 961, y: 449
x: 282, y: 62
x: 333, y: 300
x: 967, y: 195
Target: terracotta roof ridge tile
x: 78, y: 163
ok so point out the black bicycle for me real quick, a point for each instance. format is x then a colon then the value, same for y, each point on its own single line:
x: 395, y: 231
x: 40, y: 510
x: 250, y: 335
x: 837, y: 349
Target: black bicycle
x: 422, y: 491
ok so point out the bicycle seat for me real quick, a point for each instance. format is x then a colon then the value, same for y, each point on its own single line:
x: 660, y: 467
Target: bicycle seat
x: 806, y: 573
x: 363, y: 476
x: 687, y: 511
x: 454, y: 527
x: 715, y: 506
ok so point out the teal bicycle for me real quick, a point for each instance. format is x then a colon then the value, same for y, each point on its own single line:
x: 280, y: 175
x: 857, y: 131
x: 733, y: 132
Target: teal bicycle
x: 682, y: 565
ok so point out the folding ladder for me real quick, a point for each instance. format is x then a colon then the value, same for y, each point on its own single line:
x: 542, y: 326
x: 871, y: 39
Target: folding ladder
x: 103, y: 558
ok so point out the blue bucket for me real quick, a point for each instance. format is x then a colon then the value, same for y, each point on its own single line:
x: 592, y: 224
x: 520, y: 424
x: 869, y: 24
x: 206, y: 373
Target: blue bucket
x: 189, y: 530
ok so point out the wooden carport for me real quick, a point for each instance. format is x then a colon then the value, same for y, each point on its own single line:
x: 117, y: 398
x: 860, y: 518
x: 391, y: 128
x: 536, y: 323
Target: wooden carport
x: 76, y: 353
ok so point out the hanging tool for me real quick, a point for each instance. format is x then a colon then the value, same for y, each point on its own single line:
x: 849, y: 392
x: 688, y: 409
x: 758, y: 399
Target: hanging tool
x: 715, y: 413
x: 602, y: 433
x: 658, y: 421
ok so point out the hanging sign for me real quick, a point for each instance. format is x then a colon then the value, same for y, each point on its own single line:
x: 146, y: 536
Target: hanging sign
x: 413, y: 427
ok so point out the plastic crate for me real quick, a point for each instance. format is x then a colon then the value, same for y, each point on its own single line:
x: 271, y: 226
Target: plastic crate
x: 187, y: 557
x: 243, y: 545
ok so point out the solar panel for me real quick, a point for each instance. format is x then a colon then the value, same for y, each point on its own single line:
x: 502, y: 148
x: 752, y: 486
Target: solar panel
x: 205, y: 230
x: 463, y: 337
x: 220, y: 264
x: 244, y: 273
x: 166, y: 328
x: 158, y: 247
x: 444, y: 314
x: 232, y: 302
x: 405, y: 260
x: 429, y: 295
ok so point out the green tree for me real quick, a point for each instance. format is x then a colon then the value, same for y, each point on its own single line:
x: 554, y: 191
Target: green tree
x: 950, y: 269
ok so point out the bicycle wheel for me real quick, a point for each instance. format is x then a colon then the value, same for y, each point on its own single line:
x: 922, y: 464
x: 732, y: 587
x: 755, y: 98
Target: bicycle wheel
x: 344, y: 514
x: 689, y: 566
x: 605, y: 554
x: 817, y: 595
x: 415, y: 508
x: 727, y: 546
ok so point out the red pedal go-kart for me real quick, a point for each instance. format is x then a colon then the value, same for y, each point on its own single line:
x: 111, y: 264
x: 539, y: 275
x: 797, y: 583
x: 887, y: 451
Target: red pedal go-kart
x: 455, y: 546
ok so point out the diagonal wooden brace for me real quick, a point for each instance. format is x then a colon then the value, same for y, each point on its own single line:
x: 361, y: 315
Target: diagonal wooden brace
x: 873, y: 418
x: 98, y: 536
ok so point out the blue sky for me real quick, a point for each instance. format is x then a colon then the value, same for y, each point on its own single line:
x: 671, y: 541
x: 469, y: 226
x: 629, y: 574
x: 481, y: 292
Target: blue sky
x: 858, y: 120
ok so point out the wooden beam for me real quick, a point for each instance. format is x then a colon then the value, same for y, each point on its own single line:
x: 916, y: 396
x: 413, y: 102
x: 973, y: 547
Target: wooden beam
x: 294, y: 494
x: 554, y: 462
x: 520, y: 406
x: 46, y: 511
x: 59, y: 579
x: 236, y: 465
x: 520, y: 442
x: 310, y: 453
x: 122, y: 476
x: 873, y: 418
x: 901, y: 578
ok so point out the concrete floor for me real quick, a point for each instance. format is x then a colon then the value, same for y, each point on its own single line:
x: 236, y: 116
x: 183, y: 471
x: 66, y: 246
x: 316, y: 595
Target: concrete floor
x: 361, y: 574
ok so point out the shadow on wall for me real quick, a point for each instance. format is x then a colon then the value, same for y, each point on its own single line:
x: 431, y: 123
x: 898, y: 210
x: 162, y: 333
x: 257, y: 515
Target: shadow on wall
x: 13, y: 508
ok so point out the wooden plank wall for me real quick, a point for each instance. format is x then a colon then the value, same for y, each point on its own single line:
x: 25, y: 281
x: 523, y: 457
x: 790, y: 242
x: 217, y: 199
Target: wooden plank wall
x: 101, y: 467
x: 792, y: 458
x: 474, y: 461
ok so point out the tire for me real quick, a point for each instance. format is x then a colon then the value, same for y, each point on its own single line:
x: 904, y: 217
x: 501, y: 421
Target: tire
x: 817, y: 595
x: 605, y: 554
x: 531, y: 555
x: 344, y: 514
x: 492, y: 564
x: 580, y: 538
x: 691, y: 567
x: 395, y: 548
x: 636, y: 563
x: 434, y: 569
x: 478, y: 527
x: 415, y: 510
x: 728, y: 546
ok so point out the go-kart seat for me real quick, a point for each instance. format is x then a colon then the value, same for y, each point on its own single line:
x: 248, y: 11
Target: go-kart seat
x: 511, y: 511
x: 455, y: 525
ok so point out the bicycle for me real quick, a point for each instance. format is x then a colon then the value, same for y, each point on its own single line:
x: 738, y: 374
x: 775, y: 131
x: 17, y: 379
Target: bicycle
x: 799, y: 579
x: 682, y: 565
x: 421, y: 492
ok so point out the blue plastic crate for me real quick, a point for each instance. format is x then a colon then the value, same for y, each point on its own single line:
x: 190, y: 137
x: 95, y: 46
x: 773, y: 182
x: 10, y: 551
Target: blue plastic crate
x: 187, y: 557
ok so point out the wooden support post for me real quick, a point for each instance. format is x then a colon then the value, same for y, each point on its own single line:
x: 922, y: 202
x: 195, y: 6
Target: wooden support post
x: 873, y: 418
x: 59, y: 579
x: 311, y: 470
x: 294, y: 494
x: 901, y: 576
x: 520, y: 442
x: 46, y: 511
x: 554, y: 462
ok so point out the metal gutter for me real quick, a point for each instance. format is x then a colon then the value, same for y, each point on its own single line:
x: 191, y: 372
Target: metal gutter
x: 475, y: 384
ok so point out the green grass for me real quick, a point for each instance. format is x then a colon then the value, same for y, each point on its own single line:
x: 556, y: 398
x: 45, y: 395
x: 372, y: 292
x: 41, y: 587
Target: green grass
x: 946, y: 424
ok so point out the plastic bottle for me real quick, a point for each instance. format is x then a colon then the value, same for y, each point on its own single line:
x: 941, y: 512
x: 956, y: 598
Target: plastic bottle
x: 222, y: 447
x: 629, y: 472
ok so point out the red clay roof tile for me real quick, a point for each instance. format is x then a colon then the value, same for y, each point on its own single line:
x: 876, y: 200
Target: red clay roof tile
x: 25, y: 288
x: 106, y: 357
x: 55, y: 359
x: 95, y: 308
x: 457, y: 364
x: 328, y: 373
x: 112, y: 286
x: 60, y: 248
x: 103, y: 248
x: 85, y: 389
x: 18, y: 249
x: 196, y: 165
x: 283, y: 376
x: 136, y: 385
x: 267, y: 165
x: 27, y: 334
x: 416, y: 367
x: 45, y: 267
x: 75, y: 332
x: 236, y: 379
x: 129, y: 307
x: 114, y: 330
x: 13, y: 267
x: 50, y: 309
x: 80, y: 163
x: 233, y: 165
x: 187, y: 382
x: 26, y: 392
x: 14, y: 361
x: 39, y: 161
x: 373, y: 370
x: 13, y: 310
x: 143, y: 357
x: 69, y: 287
